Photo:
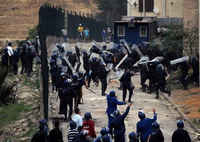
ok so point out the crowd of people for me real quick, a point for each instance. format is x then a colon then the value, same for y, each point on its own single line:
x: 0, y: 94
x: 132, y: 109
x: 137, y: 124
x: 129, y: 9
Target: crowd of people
x: 83, y: 129
x: 68, y: 79
x: 24, y: 53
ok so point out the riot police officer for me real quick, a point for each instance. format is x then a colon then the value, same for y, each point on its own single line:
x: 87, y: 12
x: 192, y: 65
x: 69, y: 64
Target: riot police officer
x: 127, y: 84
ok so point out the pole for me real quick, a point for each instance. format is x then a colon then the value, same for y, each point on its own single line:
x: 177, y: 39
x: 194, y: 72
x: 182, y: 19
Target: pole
x: 44, y: 73
x: 144, y: 10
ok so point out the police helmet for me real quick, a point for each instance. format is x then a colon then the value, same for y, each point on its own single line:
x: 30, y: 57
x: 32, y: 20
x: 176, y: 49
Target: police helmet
x: 132, y: 136
x: 75, y: 77
x: 43, y: 122
x: 180, y: 124
x: 141, y: 115
x: 112, y: 93
x: 9, y: 43
x: 87, y: 116
x: 155, y: 125
x: 72, y: 125
x: 116, y: 113
x: 104, y: 131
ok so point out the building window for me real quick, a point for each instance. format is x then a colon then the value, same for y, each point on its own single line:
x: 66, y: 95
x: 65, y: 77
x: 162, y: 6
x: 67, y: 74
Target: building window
x: 143, y: 31
x: 121, y: 30
x: 149, y: 5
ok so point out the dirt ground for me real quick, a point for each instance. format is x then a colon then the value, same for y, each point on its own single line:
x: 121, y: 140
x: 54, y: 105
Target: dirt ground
x: 96, y: 104
x: 188, y: 101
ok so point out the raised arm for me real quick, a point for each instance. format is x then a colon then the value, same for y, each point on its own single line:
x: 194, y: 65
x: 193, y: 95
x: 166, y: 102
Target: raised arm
x: 117, y: 102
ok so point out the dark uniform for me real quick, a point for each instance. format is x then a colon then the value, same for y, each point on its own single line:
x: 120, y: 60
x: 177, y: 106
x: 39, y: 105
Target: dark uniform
x: 118, y: 127
x: 112, y: 103
x: 29, y: 63
x: 15, y: 60
x: 144, y: 75
x: 184, y: 74
x: 23, y: 58
x: 42, y: 134
x: 180, y: 135
x: 156, y: 135
x: 144, y: 126
x: 127, y: 85
x: 160, y: 80
x: 4, y: 58
x: 76, y: 86
x: 55, y: 135
x: 195, y: 68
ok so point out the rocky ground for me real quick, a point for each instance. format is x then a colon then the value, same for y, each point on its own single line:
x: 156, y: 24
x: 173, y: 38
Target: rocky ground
x: 22, y: 121
x: 96, y: 104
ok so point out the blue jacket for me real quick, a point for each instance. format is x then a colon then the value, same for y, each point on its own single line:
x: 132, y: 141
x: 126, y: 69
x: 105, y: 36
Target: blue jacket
x: 144, y: 127
x: 118, y: 123
x: 112, y: 103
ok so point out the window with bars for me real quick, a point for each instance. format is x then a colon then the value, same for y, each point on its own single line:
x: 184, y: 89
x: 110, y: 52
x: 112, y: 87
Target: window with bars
x: 149, y: 5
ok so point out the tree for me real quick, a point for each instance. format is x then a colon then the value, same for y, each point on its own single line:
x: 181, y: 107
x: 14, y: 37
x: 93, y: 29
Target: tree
x: 111, y: 10
x: 172, y: 42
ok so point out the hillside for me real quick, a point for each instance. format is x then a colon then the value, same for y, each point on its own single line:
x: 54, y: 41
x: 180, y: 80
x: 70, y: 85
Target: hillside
x: 18, y: 16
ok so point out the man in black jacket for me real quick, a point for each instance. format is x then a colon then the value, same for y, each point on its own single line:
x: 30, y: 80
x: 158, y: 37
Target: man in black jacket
x: 117, y: 125
x: 55, y: 134
x: 127, y: 84
x: 156, y: 134
x: 180, y: 135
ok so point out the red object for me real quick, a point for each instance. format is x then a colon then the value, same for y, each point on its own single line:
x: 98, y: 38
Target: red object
x: 90, y: 127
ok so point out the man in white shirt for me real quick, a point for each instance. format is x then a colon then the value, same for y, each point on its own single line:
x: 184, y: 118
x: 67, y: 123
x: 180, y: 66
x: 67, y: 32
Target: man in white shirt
x: 77, y: 118
x: 10, y: 50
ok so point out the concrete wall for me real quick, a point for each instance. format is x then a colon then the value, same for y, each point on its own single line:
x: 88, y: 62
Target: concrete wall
x: 166, y: 9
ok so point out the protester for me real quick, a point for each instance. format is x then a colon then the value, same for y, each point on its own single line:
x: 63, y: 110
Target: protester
x: 73, y: 133
x: 180, y: 135
x: 133, y: 137
x: 144, y: 126
x: 55, y: 135
x: 89, y: 125
x: 117, y: 126
x: 156, y: 135
x: 41, y: 135
x: 86, y: 34
x: 112, y: 103
x: 80, y: 31
x: 104, y: 132
x: 77, y: 118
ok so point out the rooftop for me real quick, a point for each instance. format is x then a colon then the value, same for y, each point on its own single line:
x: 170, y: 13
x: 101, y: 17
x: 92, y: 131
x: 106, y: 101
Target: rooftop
x: 126, y: 19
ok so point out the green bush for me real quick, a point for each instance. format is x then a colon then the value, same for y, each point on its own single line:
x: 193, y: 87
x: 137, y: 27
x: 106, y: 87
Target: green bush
x: 33, y: 32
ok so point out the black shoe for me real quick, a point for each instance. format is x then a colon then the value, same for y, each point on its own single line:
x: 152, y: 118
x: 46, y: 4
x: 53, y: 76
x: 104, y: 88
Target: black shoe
x: 130, y: 101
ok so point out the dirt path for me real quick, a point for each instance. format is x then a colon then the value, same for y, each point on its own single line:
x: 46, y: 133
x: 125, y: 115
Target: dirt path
x: 96, y: 104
